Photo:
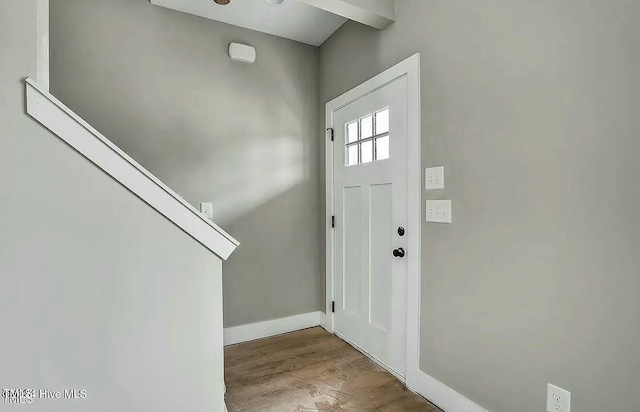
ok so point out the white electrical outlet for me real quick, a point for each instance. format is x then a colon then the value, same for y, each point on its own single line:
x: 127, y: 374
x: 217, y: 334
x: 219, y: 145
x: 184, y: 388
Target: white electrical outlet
x: 434, y: 178
x: 558, y: 400
x: 207, y: 210
x: 438, y: 211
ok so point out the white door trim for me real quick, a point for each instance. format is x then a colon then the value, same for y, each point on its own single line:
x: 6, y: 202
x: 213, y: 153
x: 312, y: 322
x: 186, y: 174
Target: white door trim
x: 410, y: 68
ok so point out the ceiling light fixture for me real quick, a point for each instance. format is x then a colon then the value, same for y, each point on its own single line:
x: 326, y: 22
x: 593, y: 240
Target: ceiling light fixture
x: 222, y: 2
x: 273, y: 2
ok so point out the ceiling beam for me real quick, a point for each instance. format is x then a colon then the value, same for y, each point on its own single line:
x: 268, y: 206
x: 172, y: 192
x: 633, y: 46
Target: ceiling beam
x: 375, y: 13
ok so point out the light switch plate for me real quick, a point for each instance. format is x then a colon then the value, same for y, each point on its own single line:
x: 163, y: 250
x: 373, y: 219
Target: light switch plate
x: 434, y: 178
x: 207, y: 210
x: 438, y: 211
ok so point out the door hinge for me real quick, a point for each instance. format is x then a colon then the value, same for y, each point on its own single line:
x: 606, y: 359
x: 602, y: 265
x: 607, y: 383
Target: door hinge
x: 333, y: 221
x: 330, y: 130
x: 333, y: 306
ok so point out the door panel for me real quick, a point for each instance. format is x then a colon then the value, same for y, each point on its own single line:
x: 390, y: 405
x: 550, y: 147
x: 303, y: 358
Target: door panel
x: 380, y: 224
x: 370, y: 203
x: 353, y: 285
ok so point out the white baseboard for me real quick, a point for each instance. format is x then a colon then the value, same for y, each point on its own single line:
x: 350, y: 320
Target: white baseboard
x: 441, y: 395
x: 253, y: 331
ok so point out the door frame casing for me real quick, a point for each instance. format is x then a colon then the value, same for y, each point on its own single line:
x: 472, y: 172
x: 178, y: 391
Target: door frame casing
x: 410, y: 68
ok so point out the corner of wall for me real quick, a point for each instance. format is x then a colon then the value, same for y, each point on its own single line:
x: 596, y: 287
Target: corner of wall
x: 43, y: 44
x: 440, y: 394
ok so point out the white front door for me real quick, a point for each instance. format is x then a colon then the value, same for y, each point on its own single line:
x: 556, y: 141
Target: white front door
x: 370, y: 204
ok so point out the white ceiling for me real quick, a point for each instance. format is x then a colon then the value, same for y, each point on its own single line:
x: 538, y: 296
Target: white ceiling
x: 292, y: 19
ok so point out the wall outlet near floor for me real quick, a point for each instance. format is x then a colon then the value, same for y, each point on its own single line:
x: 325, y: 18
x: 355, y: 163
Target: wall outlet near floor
x: 207, y: 210
x: 434, y: 178
x: 438, y: 211
x: 558, y: 400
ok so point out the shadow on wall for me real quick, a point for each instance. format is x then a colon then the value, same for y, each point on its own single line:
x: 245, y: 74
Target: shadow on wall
x: 264, y: 169
x: 246, y: 138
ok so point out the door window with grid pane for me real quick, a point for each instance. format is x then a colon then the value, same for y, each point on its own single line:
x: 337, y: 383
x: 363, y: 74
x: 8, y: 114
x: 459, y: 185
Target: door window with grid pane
x: 367, y: 138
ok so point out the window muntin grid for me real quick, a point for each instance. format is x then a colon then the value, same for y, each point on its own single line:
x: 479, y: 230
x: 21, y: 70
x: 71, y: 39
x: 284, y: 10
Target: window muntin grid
x: 367, y: 138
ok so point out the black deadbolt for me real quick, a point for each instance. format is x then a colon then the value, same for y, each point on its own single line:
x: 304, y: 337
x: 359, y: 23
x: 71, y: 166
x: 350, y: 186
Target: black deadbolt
x: 399, y: 252
x: 401, y: 231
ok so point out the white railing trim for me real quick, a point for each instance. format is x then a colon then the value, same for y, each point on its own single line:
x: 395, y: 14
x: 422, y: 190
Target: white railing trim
x: 157, y: 195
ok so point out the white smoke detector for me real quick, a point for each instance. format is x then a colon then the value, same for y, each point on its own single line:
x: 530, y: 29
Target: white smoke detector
x: 242, y: 53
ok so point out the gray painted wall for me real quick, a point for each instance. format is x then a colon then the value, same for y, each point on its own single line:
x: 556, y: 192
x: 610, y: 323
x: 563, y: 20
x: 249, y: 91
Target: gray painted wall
x: 160, y: 85
x: 532, y: 107
x: 98, y: 291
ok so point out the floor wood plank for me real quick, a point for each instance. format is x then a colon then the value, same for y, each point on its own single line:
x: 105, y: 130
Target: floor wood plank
x: 311, y: 371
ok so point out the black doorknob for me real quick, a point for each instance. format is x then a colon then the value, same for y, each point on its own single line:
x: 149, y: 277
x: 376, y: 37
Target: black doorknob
x: 401, y: 231
x: 399, y: 252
